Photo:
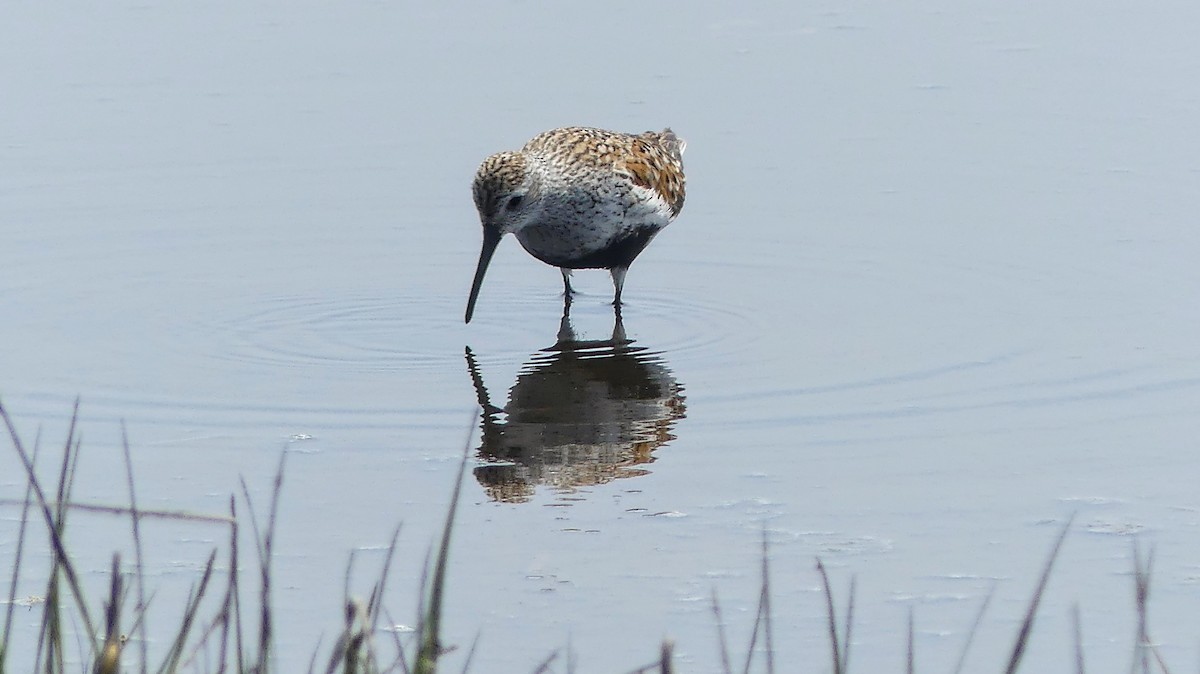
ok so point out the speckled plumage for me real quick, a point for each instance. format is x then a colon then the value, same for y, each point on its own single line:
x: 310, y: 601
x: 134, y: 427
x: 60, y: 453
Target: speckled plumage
x: 580, y: 198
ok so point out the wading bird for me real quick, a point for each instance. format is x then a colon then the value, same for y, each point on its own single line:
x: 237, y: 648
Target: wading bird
x: 580, y: 198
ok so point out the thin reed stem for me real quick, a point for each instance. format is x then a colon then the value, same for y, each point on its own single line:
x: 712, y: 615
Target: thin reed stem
x: 1018, y: 652
x: 139, y: 558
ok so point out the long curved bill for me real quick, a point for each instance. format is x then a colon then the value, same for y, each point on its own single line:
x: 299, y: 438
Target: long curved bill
x: 491, y: 238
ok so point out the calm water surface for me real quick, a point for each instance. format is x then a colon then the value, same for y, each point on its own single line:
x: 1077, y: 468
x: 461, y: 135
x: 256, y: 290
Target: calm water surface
x: 933, y: 292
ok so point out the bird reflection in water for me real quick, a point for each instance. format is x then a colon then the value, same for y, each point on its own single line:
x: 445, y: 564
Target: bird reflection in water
x: 581, y: 413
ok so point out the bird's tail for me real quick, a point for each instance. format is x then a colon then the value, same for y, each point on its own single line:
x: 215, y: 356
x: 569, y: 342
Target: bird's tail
x: 674, y: 144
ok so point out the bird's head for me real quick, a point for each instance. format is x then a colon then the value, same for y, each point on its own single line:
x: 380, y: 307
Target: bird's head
x: 507, y: 197
x: 505, y: 192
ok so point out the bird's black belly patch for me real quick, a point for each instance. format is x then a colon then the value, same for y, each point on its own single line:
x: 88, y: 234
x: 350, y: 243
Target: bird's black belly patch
x: 620, y: 253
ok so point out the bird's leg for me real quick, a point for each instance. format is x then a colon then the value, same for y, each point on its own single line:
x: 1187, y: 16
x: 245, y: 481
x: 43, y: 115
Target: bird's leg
x: 618, y: 276
x: 567, y: 292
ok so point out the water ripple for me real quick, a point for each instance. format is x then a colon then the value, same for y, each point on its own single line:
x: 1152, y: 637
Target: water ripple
x: 353, y: 334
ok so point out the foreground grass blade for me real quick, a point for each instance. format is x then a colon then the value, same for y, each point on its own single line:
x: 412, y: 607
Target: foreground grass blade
x: 16, y: 570
x: 766, y: 600
x: 831, y: 620
x: 722, y: 642
x: 429, y: 631
x: 55, y: 525
x: 910, y: 659
x: 962, y: 656
x: 108, y: 660
x: 139, y: 560
x: 264, y: 544
x: 1077, y: 633
x: 1018, y: 652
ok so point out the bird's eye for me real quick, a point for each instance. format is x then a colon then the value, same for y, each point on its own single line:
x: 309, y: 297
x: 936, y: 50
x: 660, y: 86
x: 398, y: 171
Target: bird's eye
x: 513, y: 203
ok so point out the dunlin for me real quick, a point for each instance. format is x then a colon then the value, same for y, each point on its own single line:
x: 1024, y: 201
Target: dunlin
x: 580, y: 198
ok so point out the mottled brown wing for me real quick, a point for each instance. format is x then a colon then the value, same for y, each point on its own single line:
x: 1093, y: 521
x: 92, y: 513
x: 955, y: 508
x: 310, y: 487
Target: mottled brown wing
x: 653, y: 166
x: 580, y: 146
x: 651, y: 160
